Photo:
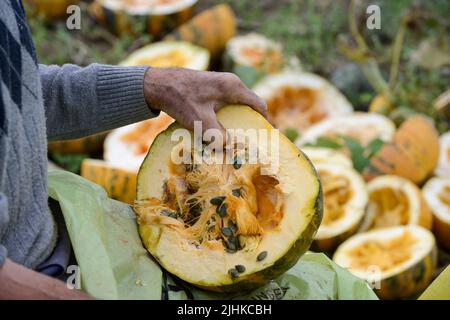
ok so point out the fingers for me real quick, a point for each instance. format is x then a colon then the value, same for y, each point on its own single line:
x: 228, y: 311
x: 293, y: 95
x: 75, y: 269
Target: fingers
x: 247, y: 97
x: 209, y: 121
x: 237, y: 92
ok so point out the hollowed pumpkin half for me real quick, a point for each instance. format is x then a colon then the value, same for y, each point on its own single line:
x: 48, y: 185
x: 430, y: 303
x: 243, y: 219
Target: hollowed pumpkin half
x: 443, y: 165
x: 363, y: 127
x: 437, y: 194
x: 127, y: 147
x: 166, y: 54
x: 297, y: 100
x: 227, y: 227
x: 119, y: 183
x: 131, y: 17
x: 345, y: 198
x: 254, y: 50
x: 398, y: 261
x: 395, y: 201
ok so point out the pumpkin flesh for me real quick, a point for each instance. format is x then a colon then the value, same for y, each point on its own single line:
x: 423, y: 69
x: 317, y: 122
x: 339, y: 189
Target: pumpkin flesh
x: 345, y: 198
x: 437, y: 194
x: 395, y: 201
x: 297, y: 100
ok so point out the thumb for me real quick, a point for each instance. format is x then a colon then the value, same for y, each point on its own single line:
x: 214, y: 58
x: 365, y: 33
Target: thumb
x: 210, y: 121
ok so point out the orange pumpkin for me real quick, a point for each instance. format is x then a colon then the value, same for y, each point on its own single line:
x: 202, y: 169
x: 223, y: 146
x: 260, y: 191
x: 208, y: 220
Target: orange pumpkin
x: 412, y: 154
x: 50, y: 9
x: 210, y: 29
x: 91, y: 145
x: 132, y: 17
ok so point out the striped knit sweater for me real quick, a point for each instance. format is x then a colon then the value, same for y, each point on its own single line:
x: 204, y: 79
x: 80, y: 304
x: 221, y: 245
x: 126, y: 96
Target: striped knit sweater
x: 40, y: 102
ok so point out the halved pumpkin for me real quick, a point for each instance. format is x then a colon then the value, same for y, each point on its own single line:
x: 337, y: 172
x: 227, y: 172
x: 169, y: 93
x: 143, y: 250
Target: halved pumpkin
x: 49, y: 9
x: 361, y: 126
x: 345, y: 199
x: 297, y: 100
x: 170, y: 54
x: 395, y: 201
x: 326, y: 155
x: 255, y: 51
x: 135, y: 16
x: 91, y: 145
x: 437, y: 194
x: 227, y: 227
x: 126, y: 147
x: 443, y: 165
x: 398, y: 261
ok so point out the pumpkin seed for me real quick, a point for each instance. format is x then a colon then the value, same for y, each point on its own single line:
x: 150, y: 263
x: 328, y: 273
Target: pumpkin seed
x: 222, y: 210
x: 232, y: 226
x: 233, y: 273
x: 261, y: 256
x: 217, y: 201
x: 227, y: 232
x: 231, y: 244
x: 236, y: 192
x: 240, y: 268
x: 237, y: 163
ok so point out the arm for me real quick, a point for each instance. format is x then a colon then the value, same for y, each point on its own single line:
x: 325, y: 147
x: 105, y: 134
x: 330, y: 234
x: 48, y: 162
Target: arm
x: 18, y: 282
x: 189, y: 95
x: 83, y: 101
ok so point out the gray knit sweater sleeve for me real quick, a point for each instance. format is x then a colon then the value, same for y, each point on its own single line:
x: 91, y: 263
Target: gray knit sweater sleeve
x: 4, y: 218
x: 82, y: 101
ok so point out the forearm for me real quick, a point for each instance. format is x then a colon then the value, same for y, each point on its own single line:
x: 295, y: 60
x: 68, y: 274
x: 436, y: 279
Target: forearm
x: 83, y: 101
x: 18, y: 282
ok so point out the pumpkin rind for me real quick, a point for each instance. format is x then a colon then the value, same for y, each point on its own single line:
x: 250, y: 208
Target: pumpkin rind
x: 330, y: 236
x: 432, y: 190
x: 362, y: 126
x: 122, y: 19
x: 410, y: 282
x: 443, y: 166
x: 210, y: 29
x: 412, y: 154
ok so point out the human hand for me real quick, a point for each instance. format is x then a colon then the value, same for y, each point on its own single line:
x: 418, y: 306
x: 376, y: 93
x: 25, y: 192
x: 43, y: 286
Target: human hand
x: 189, y: 95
